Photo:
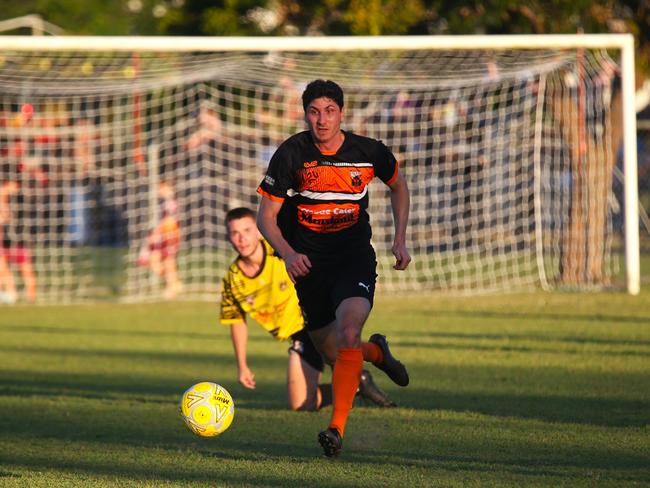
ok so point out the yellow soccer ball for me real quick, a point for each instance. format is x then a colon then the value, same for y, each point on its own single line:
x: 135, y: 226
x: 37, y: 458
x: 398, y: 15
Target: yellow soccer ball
x: 207, y: 409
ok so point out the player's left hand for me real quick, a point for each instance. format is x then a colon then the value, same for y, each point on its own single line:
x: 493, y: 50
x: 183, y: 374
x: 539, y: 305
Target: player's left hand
x: 402, y: 256
x: 247, y: 378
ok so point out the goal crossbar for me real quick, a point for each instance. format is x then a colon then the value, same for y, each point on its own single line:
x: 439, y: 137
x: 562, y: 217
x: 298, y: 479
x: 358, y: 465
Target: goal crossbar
x: 315, y: 43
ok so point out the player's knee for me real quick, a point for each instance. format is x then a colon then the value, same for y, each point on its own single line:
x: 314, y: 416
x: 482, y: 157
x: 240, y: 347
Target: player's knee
x: 349, y: 335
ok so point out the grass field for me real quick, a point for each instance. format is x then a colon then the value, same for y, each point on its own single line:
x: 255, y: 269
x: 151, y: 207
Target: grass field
x: 518, y: 390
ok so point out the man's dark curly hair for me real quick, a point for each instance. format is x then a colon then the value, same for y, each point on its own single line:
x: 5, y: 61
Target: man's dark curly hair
x: 322, y: 88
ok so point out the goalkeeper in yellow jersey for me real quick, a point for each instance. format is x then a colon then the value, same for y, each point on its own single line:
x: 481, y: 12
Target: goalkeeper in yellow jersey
x: 257, y: 285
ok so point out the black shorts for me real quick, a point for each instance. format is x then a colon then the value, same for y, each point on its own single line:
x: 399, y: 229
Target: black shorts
x: 323, y: 289
x: 302, y: 344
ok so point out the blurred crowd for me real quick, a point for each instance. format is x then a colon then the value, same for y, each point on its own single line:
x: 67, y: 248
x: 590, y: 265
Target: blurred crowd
x: 155, y: 173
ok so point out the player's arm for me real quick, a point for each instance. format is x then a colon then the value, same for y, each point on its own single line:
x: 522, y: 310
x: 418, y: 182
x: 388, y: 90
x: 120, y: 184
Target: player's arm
x: 400, y: 201
x: 239, y: 336
x: 297, y: 264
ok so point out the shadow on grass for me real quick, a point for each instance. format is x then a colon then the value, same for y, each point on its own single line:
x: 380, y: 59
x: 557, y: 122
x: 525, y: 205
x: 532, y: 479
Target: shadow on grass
x: 214, y: 334
x: 245, y: 458
x: 43, y: 409
x: 519, y: 383
x: 207, y: 356
x: 523, y: 337
x: 551, y: 347
x: 143, y: 389
x: 608, y: 412
x: 561, y: 407
x: 129, y: 473
x: 529, y: 316
x: 545, y: 338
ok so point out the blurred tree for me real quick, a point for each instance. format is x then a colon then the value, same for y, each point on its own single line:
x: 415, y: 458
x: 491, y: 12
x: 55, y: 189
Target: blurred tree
x: 353, y: 17
x: 343, y: 17
x: 93, y: 17
x: 214, y: 18
x: 541, y: 17
x: 383, y: 17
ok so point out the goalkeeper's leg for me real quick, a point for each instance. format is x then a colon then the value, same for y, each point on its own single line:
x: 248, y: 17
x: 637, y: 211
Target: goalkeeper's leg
x: 303, y: 375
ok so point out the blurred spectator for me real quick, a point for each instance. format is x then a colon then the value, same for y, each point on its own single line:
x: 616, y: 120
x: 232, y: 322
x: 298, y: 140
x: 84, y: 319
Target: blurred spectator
x: 80, y: 197
x: 209, y: 128
x: 13, y: 253
x: 160, y: 249
x: 282, y: 114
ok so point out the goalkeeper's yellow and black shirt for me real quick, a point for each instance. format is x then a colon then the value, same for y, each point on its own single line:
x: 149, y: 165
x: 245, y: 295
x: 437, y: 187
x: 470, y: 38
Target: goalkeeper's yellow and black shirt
x: 269, y: 297
x: 325, y: 196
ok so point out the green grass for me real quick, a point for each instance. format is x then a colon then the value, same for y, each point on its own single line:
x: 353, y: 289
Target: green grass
x: 100, y: 273
x: 540, y: 389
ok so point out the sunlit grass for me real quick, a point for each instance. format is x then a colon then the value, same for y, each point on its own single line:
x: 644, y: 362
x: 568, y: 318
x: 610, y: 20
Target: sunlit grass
x: 541, y: 389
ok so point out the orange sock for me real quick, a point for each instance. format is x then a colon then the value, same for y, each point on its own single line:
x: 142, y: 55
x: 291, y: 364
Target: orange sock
x: 345, y: 381
x: 372, y: 353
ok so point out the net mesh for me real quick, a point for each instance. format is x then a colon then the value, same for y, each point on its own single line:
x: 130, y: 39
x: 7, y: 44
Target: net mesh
x: 126, y: 164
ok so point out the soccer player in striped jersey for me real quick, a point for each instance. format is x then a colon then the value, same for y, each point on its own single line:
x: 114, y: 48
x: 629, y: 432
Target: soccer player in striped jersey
x: 257, y: 284
x: 321, y: 176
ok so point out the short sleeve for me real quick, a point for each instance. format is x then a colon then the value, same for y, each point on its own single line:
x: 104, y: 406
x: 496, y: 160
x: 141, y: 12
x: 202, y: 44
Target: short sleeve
x: 278, y: 178
x: 386, y: 166
x: 231, y: 312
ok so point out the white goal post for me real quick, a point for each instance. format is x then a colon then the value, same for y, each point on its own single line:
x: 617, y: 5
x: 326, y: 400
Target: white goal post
x: 121, y: 155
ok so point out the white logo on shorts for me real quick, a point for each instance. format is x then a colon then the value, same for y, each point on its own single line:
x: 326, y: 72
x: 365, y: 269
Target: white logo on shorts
x: 367, y: 287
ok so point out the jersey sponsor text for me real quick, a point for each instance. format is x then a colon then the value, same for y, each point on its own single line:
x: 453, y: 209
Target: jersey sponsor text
x: 325, y: 218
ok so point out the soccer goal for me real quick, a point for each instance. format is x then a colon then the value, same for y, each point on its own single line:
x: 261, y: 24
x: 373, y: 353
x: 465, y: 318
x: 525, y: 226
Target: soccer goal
x: 127, y: 153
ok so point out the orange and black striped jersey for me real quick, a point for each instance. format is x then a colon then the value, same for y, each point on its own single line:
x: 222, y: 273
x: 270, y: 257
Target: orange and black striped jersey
x: 268, y: 297
x: 326, y: 195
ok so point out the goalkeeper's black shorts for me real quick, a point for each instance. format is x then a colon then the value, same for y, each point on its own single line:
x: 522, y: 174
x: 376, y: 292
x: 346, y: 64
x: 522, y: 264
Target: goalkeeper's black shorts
x: 302, y: 344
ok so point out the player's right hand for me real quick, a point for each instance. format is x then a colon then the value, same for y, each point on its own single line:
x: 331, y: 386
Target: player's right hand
x: 402, y: 256
x: 297, y: 265
x: 247, y: 379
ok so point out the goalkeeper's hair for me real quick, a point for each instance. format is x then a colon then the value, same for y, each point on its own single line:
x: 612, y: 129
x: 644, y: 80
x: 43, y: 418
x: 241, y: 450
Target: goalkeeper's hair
x: 239, y: 213
x: 322, y: 88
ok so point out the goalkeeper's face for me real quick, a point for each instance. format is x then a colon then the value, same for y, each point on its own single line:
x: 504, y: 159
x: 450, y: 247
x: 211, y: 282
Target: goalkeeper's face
x: 244, y: 236
x: 324, y: 118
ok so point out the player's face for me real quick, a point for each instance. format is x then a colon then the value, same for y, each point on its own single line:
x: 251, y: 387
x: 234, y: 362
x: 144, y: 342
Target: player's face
x: 324, y: 118
x: 244, y: 236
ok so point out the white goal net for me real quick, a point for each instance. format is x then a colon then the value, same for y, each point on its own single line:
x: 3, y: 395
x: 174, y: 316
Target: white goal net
x: 118, y: 165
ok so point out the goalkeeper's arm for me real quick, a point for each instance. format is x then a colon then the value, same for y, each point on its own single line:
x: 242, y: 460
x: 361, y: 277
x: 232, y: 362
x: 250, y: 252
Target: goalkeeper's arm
x: 239, y: 336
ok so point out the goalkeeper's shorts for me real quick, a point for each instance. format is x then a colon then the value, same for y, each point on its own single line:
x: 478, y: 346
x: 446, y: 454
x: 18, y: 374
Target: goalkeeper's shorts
x: 302, y: 344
